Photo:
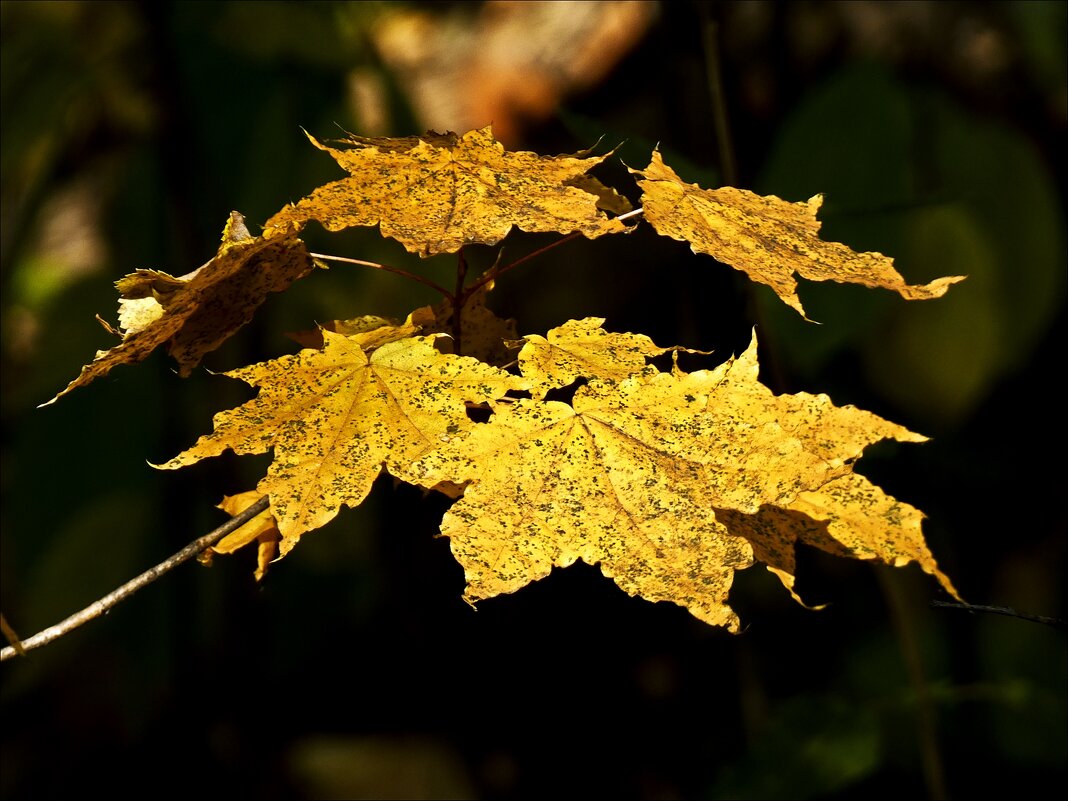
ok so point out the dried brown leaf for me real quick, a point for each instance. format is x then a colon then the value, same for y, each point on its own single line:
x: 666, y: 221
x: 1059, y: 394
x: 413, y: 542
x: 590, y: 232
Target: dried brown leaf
x: 196, y: 313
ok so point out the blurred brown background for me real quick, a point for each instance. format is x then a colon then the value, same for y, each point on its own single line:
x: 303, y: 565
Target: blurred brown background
x: 935, y: 130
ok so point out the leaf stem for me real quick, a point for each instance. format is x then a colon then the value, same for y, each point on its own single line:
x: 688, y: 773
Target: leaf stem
x: 492, y: 275
x: 386, y: 268
x: 104, y: 605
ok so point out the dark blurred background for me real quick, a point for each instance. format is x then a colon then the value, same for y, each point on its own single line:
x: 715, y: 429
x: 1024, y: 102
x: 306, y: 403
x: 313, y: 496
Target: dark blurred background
x: 935, y: 130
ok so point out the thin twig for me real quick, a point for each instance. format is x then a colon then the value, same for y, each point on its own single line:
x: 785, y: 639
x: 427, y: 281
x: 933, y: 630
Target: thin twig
x: 98, y: 608
x: 1056, y: 622
x: 492, y: 275
x: 386, y: 268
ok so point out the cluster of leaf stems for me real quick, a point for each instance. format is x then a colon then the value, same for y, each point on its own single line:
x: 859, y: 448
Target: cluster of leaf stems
x: 462, y: 292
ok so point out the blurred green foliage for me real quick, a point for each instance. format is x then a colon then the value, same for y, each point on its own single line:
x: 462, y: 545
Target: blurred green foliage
x: 922, y: 199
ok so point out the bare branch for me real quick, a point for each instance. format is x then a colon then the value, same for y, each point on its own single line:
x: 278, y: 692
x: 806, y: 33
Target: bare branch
x: 103, y: 605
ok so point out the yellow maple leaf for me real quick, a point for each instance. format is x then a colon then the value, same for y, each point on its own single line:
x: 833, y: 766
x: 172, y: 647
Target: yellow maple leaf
x: 195, y: 313
x: 582, y: 349
x: 336, y: 417
x: 548, y: 485
x: 648, y: 476
x: 262, y: 529
x: 848, y: 517
x: 438, y: 192
x: 765, y: 237
x: 837, y: 434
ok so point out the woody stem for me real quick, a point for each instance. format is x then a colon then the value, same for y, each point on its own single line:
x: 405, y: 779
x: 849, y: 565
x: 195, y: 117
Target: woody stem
x: 104, y: 605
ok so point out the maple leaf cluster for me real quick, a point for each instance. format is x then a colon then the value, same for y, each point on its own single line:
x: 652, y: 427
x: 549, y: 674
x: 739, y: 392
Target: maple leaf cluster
x: 669, y: 481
